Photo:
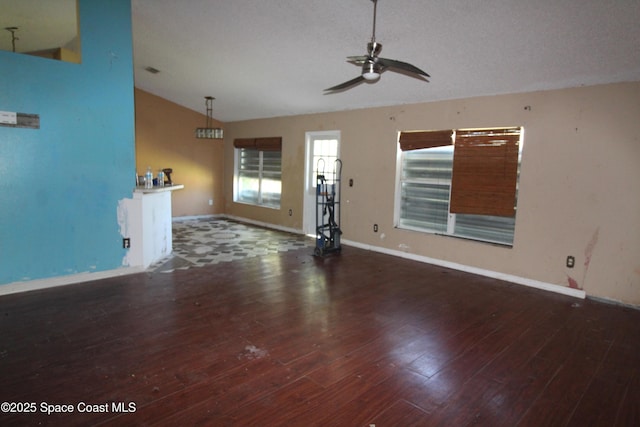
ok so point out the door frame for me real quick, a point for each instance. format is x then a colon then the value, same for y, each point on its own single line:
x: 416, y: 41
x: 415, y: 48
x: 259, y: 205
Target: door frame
x: 309, y: 195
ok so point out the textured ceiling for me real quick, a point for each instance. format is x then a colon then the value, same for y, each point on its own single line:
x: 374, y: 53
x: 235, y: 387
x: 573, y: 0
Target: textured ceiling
x: 273, y: 58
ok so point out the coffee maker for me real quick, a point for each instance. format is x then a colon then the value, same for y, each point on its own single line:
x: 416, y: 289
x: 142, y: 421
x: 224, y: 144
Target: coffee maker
x: 167, y: 174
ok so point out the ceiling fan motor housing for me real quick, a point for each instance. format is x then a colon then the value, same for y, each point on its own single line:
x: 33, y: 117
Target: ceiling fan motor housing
x: 371, y: 69
x: 374, y: 48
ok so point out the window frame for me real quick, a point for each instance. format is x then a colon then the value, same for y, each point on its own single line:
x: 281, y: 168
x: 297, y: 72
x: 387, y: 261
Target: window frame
x: 261, y: 177
x: 451, y: 217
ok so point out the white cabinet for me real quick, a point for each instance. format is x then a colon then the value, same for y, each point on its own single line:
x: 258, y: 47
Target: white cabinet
x: 148, y: 225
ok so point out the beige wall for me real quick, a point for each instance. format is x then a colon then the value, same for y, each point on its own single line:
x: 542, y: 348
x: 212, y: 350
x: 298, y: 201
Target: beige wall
x: 578, y: 193
x: 165, y: 139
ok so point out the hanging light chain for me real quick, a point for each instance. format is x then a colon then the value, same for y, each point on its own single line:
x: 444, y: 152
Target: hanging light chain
x: 209, y: 106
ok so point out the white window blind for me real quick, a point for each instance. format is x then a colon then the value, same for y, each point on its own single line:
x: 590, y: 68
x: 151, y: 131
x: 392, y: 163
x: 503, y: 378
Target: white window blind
x: 258, y: 172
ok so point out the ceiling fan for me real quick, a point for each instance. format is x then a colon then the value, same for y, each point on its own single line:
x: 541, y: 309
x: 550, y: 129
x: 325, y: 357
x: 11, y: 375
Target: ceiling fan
x: 373, y: 65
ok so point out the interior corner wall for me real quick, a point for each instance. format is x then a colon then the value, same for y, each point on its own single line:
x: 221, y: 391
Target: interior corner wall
x: 577, y: 192
x: 60, y: 184
x: 165, y: 138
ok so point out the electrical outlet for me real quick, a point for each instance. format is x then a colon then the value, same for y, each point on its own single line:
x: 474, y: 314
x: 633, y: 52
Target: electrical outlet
x: 375, y: 228
x: 126, y: 243
x: 571, y: 261
x: 290, y: 212
x: 210, y: 202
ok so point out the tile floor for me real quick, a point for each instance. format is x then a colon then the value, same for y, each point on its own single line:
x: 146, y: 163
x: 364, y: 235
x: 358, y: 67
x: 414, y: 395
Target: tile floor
x: 206, y: 241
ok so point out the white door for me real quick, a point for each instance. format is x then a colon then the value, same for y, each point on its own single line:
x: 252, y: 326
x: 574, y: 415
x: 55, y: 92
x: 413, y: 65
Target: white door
x: 323, y: 145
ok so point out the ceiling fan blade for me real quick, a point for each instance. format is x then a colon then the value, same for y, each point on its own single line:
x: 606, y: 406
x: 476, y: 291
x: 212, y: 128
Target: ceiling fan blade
x: 345, y: 85
x: 358, y: 60
x: 392, y: 63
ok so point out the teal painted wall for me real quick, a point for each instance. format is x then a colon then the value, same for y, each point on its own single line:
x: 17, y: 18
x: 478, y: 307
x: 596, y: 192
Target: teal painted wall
x: 60, y: 184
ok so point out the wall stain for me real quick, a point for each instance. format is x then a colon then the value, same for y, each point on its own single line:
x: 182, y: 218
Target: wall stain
x: 588, y: 253
x: 573, y: 284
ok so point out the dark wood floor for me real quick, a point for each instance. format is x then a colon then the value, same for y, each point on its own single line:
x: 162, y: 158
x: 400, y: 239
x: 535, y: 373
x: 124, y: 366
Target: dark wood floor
x: 357, y: 339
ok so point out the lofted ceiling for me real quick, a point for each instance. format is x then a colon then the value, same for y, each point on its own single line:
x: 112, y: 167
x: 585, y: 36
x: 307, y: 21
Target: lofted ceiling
x: 263, y: 59
x: 273, y: 58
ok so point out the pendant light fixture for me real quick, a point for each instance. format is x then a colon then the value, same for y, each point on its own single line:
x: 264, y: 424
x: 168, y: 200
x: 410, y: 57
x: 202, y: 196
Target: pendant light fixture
x: 209, y: 132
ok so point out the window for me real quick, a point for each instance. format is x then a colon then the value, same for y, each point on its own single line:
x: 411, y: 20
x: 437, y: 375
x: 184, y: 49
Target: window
x: 258, y: 171
x: 460, y: 183
x: 325, y: 154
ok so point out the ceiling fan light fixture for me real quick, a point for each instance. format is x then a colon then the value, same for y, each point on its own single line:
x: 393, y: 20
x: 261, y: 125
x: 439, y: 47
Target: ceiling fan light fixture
x: 370, y: 71
x: 371, y: 76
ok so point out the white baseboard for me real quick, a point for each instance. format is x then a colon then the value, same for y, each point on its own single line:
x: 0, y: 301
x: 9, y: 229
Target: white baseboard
x: 577, y: 293
x: 33, y: 285
x: 193, y: 217
x: 615, y: 302
x: 263, y: 224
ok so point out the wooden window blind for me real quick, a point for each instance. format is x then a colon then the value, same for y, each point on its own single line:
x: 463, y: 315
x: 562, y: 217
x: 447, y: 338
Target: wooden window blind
x: 261, y: 144
x: 424, y: 139
x: 269, y: 144
x: 249, y: 143
x: 485, y: 171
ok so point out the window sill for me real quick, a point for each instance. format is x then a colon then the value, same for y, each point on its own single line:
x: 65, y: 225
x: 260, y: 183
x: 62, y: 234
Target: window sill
x: 240, y: 202
x: 471, y: 239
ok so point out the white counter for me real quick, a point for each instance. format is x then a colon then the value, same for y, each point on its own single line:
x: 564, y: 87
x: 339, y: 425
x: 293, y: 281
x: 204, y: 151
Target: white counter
x: 153, y: 190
